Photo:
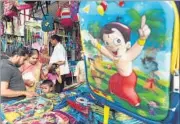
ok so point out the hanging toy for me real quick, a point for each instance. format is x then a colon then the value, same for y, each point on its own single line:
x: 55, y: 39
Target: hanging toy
x: 121, y: 3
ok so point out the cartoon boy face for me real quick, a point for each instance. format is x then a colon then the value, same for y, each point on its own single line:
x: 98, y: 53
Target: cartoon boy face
x: 115, y: 41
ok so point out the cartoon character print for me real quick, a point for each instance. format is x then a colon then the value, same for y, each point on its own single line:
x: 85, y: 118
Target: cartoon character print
x: 116, y: 37
x: 151, y: 66
x: 97, y: 70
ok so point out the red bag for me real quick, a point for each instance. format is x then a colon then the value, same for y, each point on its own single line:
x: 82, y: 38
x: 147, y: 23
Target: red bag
x: 65, y: 19
x: 58, y: 12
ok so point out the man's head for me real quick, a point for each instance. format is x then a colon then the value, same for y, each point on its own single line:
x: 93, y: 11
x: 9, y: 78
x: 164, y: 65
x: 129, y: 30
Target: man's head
x: 26, y: 52
x: 116, y: 37
x: 18, y: 56
x: 47, y: 86
x: 55, y: 39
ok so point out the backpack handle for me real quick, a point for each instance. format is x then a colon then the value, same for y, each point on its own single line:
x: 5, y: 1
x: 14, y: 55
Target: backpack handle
x: 40, y: 3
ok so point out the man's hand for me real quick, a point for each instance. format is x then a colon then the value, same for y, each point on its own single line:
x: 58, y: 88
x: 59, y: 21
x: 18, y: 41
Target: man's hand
x: 30, y: 94
x: 144, y: 31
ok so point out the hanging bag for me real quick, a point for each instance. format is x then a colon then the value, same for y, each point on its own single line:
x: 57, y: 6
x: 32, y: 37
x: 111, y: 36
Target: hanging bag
x: 65, y: 18
x: 47, y: 20
x: 1, y: 28
x: 23, y: 5
x: 10, y: 8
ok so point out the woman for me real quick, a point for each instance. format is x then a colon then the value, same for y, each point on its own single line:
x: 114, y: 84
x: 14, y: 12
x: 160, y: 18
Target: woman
x: 32, y: 70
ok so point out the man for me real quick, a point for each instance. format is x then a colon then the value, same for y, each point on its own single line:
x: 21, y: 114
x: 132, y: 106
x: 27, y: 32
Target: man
x: 59, y: 56
x: 12, y: 84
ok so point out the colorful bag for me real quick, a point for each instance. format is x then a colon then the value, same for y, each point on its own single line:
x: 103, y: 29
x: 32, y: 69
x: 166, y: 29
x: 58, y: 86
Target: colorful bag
x: 1, y: 28
x: 72, y: 120
x: 47, y: 23
x: 53, y: 117
x: 23, y: 6
x: 47, y: 20
x: 65, y: 18
x: 118, y: 73
x: 10, y: 8
x: 26, y: 109
x: 58, y: 100
x: 74, y: 11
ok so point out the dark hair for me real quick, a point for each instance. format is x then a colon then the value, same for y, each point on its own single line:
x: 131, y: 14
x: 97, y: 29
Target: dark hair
x: 53, y: 68
x: 26, y: 50
x: 33, y: 51
x: 56, y: 37
x: 19, y: 52
x: 47, y: 82
x: 125, y: 31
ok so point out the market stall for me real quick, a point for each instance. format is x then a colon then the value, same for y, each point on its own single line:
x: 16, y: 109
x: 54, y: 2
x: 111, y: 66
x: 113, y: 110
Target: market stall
x: 106, y: 93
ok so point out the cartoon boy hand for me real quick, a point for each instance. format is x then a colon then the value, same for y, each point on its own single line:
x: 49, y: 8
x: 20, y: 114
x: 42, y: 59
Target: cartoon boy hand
x: 144, y: 31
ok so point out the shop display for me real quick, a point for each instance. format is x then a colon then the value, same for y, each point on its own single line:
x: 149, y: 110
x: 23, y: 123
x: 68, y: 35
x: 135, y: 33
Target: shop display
x: 28, y: 108
x: 130, y: 59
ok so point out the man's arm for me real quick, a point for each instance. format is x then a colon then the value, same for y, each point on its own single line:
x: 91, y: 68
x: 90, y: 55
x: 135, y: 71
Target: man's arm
x: 60, y: 62
x: 5, y: 92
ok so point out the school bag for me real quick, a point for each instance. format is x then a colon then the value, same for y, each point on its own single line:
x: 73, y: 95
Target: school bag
x: 20, y: 111
x: 10, y: 9
x: 124, y: 71
x: 64, y: 15
x: 47, y: 20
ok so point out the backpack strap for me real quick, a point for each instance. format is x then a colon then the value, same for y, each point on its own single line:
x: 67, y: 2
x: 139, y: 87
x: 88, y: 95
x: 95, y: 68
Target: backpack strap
x: 39, y: 3
x: 176, y: 42
x: 106, y: 114
x: 175, y: 51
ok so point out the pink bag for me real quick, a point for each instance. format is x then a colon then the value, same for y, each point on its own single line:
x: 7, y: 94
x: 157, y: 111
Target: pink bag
x: 10, y: 8
x: 24, y: 6
x: 1, y: 28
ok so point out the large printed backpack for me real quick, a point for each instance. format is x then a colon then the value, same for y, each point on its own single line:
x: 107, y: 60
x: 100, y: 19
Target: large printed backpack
x: 132, y: 57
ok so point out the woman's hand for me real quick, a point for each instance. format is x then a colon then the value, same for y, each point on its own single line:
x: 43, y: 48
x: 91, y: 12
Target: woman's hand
x: 29, y: 83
